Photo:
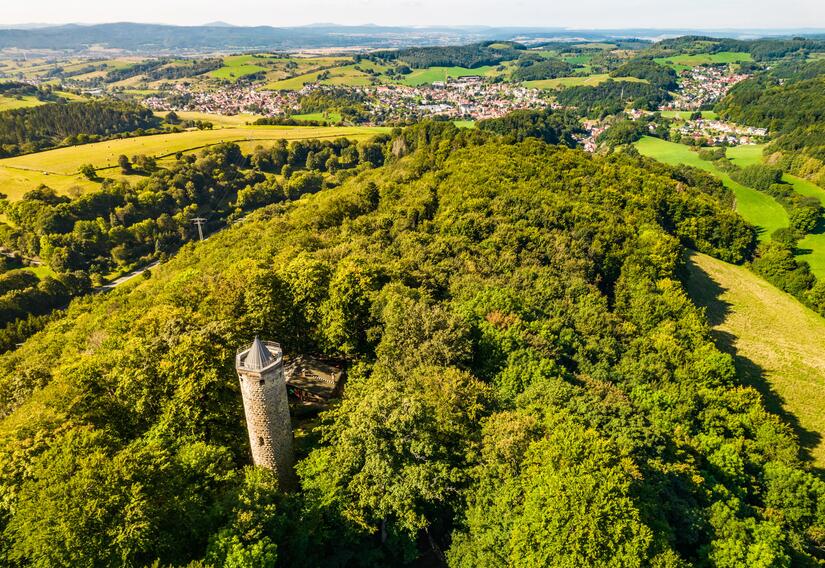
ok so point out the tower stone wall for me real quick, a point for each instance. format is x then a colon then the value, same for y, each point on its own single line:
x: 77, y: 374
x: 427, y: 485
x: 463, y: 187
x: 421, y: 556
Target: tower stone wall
x: 263, y: 388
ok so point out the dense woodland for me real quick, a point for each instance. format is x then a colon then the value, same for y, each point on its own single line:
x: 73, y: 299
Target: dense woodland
x: 528, y: 380
x: 471, y: 56
x: 30, y: 129
x: 612, y: 97
x: 648, y: 70
x: 763, y: 99
x: 537, y: 68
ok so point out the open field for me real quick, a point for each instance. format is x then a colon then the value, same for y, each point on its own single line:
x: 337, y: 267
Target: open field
x: 217, y: 120
x: 58, y: 168
x: 746, y: 155
x: 433, y: 74
x: 682, y: 62
x: 685, y: 114
x: 776, y: 341
x: 811, y: 249
x: 345, y: 76
x: 578, y: 81
x: 327, y: 116
x: 759, y: 209
x: 11, y: 103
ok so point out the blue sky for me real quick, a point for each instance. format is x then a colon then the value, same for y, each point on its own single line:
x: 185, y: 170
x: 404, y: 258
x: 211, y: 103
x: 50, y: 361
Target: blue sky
x: 706, y: 14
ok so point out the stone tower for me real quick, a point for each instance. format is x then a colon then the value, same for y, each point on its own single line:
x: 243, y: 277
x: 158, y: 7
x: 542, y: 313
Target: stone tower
x: 263, y: 387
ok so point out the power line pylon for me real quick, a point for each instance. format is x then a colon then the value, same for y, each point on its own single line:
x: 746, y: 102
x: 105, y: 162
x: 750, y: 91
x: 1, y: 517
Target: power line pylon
x: 199, y: 221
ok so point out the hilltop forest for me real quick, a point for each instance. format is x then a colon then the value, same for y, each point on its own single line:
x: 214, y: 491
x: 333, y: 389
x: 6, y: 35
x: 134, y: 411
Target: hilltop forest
x: 528, y: 381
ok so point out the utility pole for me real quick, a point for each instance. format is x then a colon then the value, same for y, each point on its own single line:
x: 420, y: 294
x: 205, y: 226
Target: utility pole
x: 199, y: 221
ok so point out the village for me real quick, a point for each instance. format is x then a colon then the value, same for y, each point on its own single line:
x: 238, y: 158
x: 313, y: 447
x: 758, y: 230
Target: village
x: 702, y: 86
x: 466, y: 98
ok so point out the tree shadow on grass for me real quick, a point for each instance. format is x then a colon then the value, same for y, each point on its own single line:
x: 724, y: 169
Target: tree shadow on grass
x: 707, y: 293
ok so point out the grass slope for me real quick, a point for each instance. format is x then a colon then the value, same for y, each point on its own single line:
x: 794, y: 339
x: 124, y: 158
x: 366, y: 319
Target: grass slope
x: 578, y: 81
x: 684, y: 62
x: 812, y: 247
x: 759, y: 209
x: 685, y: 114
x: 777, y: 342
x: 11, y: 103
x: 58, y: 168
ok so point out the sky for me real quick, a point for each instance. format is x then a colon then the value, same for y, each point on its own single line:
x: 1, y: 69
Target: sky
x: 701, y: 14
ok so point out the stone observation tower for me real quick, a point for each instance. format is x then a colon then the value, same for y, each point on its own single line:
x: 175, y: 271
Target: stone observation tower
x: 263, y: 387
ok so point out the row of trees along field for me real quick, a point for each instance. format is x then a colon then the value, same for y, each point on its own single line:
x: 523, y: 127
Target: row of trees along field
x: 30, y: 129
x: 529, y: 383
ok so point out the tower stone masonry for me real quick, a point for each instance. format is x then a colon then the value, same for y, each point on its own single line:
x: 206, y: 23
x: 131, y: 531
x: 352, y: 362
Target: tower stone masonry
x: 260, y: 370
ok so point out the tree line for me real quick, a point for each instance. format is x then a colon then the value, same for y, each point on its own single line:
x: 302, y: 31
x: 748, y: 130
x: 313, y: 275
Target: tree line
x: 36, y: 128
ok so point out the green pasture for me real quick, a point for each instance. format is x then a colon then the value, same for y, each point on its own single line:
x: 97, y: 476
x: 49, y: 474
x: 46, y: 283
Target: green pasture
x: 578, y: 81
x: 327, y: 116
x: 11, y: 103
x: 433, y: 74
x: 746, y: 155
x: 685, y: 114
x: 759, y: 209
x: 683, y: 62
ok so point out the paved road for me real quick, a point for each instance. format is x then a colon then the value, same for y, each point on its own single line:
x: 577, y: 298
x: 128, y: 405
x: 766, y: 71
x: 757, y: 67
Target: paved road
x: 123, y: 279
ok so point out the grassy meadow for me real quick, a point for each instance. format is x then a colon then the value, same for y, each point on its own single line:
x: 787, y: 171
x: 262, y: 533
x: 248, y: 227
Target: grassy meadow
x: 685, y: 114
x: 11, y: 103
x: 812, y: 248
x: 684, y: 62
x: 759, y: 209
x: 777, y: 343
x: 577, y: 81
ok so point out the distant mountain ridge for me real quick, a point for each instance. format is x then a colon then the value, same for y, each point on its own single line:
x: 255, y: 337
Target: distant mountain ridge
x: 220, y: 36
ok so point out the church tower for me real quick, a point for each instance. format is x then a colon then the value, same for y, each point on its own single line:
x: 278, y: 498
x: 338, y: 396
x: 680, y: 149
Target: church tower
x: 260, y: 370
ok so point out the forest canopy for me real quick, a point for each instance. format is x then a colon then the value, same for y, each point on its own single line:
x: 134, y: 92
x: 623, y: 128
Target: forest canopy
x: 514, y: 320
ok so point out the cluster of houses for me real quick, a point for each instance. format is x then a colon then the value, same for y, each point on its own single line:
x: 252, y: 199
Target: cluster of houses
x: 463, y: 98
x: 719, y: 133
x: 469, y: 98
x: 227, y: 101
x: 703, y: 85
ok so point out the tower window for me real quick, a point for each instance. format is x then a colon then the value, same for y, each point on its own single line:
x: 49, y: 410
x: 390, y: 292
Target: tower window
x: 262, y: 382
x: 260, y: 441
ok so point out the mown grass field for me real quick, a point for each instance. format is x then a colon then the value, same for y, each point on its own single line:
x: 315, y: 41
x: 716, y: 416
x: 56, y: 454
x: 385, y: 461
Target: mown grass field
x: 759, y: 209
x: 811, y: 249
x: 777, y: 342
x: 685, y: 114
x: 747, y: 155
x: 59, y: 168
x: 578, y: 81
x: 682, y: 62
x: 327, y: 116
x: 11, y: 103
x: 433, y: 74
x: 217, y: 120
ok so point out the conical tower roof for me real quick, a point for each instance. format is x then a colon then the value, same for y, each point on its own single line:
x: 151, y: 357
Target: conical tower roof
x: 258, y: 356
